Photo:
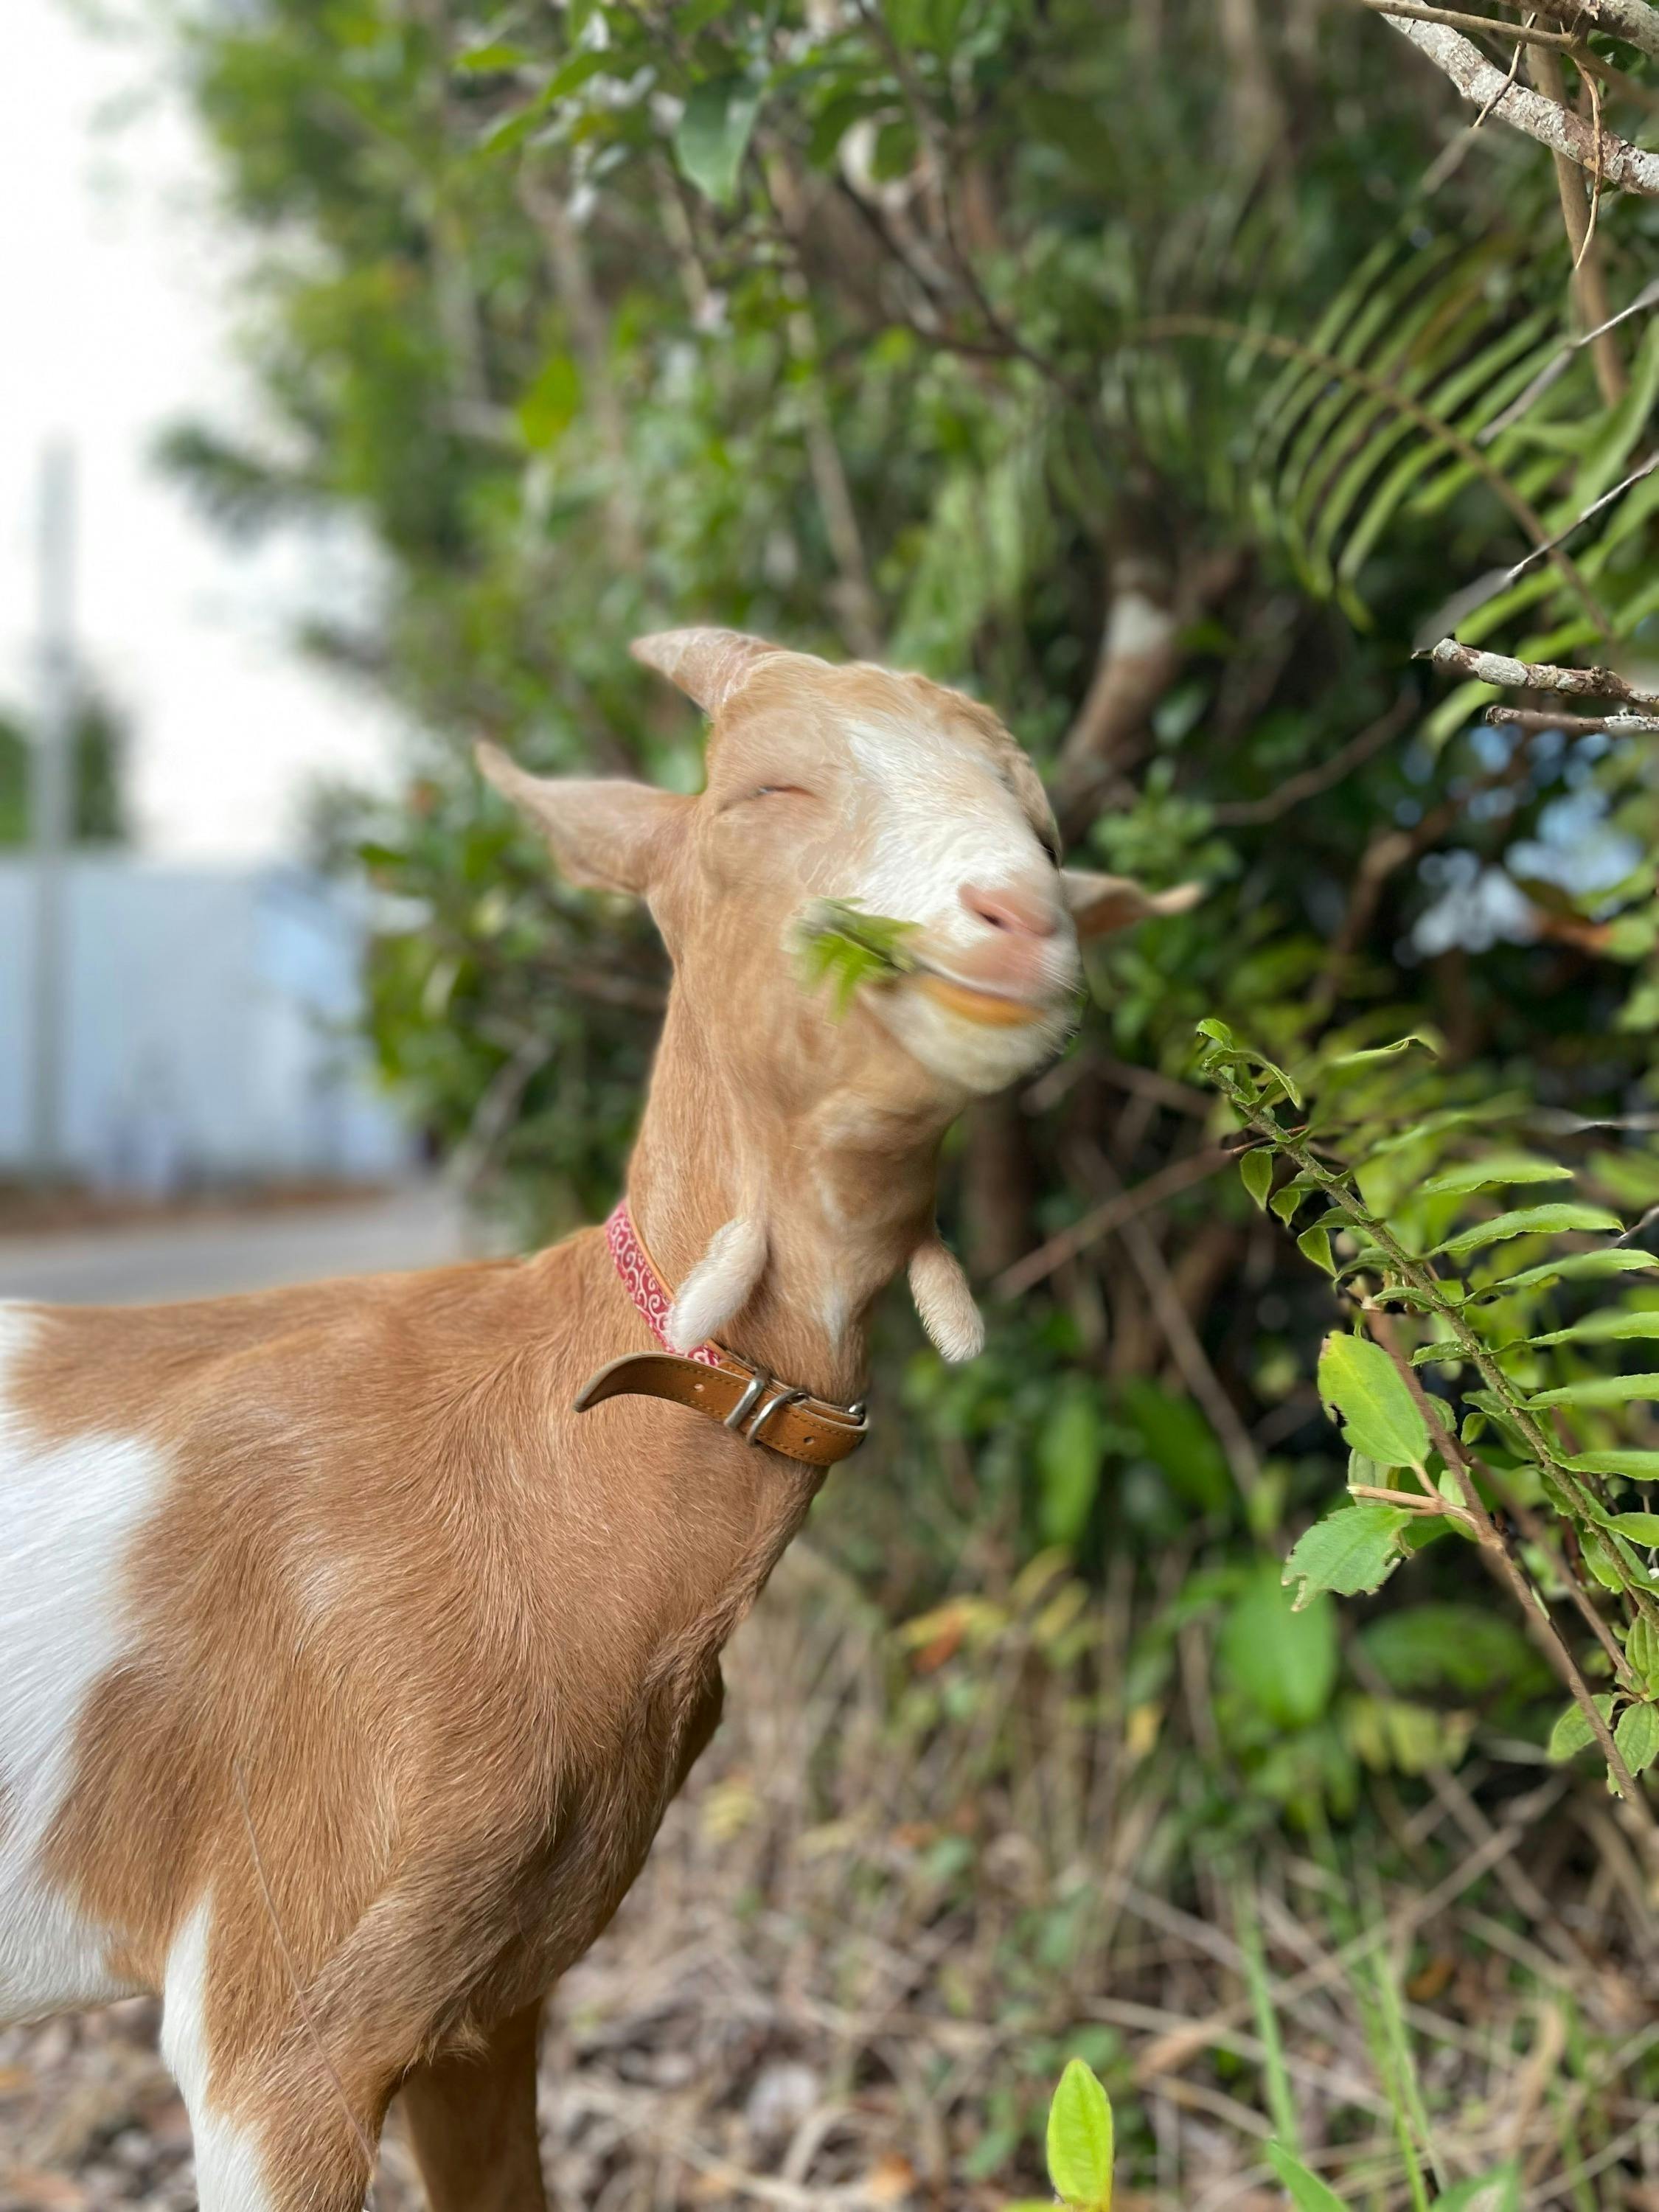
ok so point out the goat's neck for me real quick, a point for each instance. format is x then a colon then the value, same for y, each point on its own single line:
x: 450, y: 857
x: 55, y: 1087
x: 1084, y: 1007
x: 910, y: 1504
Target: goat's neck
x: 844, y: 1188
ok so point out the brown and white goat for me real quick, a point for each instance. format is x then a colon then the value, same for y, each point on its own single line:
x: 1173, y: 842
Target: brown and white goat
x: 346, y: 1670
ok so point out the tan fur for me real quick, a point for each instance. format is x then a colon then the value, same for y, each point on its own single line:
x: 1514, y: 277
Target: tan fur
x: 415, y: 1646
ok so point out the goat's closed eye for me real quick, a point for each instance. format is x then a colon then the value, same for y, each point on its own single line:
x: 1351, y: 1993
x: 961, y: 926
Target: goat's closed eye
x: 780, y: 791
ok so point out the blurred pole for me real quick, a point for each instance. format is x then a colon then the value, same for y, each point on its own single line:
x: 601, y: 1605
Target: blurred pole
x: 52, y: 800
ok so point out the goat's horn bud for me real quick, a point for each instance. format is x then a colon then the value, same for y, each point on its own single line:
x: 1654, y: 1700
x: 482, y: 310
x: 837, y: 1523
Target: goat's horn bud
x: 710, y: 665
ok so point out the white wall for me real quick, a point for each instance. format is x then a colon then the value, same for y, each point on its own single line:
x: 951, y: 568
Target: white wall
x: 208, y: 1022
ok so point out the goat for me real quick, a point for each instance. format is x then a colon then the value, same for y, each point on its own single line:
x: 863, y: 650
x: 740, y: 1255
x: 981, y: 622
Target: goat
x: 354, y: 1638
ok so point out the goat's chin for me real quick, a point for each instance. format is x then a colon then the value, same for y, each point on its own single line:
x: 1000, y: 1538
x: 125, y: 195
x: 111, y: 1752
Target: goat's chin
x: 968, y: 1053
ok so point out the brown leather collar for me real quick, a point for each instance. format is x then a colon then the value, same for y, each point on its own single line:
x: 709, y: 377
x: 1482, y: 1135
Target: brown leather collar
x: 743, y: 1397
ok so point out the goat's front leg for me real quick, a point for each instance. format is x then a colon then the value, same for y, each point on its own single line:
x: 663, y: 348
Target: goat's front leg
x: 278, y: 2124
x: 473, y: 2123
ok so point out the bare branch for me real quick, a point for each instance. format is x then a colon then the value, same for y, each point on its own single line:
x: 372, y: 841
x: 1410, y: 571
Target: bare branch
x: 1571, y: 726
x: 1557, y: 364
x: 1633, y: 21
x: 1528, y: 33
x: 1630, y: 167
x: 1180, y: 1175
x: 1371, y: 739
x: 1452, y: 659
x: 1589, y: 282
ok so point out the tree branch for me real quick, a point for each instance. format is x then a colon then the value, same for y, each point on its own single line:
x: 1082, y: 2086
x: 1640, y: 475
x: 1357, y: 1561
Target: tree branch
x: 1589, y: 281
x: 1452, y: 659
x: 1528, y: 33
x: 1633, y: 21
x: 1102, y: 1220
x: 1630, y: 167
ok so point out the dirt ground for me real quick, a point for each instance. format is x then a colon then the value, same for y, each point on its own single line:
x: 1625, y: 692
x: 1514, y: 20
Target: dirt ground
x: 909, y: 1878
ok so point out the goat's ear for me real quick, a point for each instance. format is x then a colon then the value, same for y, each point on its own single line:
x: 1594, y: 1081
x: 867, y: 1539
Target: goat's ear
x: 608, y: 835
x: 710, y: 665
x: 1100, y: 904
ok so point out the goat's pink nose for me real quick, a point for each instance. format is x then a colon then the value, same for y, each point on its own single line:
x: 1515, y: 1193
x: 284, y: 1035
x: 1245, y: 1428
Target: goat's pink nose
x: 1022, y: 912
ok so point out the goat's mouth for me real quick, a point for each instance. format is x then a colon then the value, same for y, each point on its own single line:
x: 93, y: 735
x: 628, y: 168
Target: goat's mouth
x: 992, y: 1005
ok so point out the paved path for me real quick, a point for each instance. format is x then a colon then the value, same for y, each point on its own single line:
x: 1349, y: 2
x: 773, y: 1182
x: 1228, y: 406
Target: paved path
x: 420, y: 1228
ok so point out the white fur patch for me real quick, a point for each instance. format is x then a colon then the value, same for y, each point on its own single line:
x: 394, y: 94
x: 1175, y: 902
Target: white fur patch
x: 944, y: 1302
x: 67, y: 1515
x: 719, y: 1286
x: 945, y: 820
x: 229, y: 2171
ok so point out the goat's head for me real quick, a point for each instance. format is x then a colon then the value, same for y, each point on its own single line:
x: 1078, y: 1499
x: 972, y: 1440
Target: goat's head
x: 848, y: 783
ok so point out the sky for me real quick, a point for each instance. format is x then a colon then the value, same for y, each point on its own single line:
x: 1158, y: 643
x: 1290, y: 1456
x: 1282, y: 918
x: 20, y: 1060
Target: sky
x: 119, y: 319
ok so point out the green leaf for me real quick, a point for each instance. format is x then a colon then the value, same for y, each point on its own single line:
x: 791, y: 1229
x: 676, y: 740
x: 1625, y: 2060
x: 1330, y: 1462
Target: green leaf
x: 1284, y: 1202
x: 1573, y: 1268
x: 1635, y: 1528
x: 1637, y: 1736
x: 552, y: 404
x: 1639, y: 1466
x: 1356, y: 1548
x: 1641, y: 1650
x: 1600, y: 1558
x: 1463, y: 1648
x: 1381, y: 1417
x: 1175, y: 1433
x: 1611, y: 1325
x: 1497, y: 2191
x: 1348, y: 1062
x: 1079, y: 2141
x: 1315, y: 1244
x: 840, y: 942
x: 1308, y: 2192
x: 713, y: 134
x: 1256, y: 1172
x: 497, y: 54
x: 1282, y: 1660
x: 1601, y: 1390
x: 1572, y: 1732
x: 1554, y: 1220
x: 1070, y: 1447
x: 1494, y: 1173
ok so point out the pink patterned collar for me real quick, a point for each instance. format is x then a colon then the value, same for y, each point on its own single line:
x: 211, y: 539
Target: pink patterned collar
x: 642, y: 1282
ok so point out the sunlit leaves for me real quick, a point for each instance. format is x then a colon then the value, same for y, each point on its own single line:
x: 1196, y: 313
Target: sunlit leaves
x: 1496, y: 1171
x: 1529, y: 1221
x: 1079, y: 2141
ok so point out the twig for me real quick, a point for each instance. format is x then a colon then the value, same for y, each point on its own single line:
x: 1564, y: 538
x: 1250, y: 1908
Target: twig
x: 1252, y: 812
x: 1573, y: 725
x: 1534, y: 1611
x: 1590, y: 512
x: 1633, y: 168
x: 1633, y: 21
x: 1186, y: 1350
x: 1559, y: 362
x: 1589, y: 282
x: 1452, y: 659
x: 1102, y: 1220
x: 1526, y: 33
